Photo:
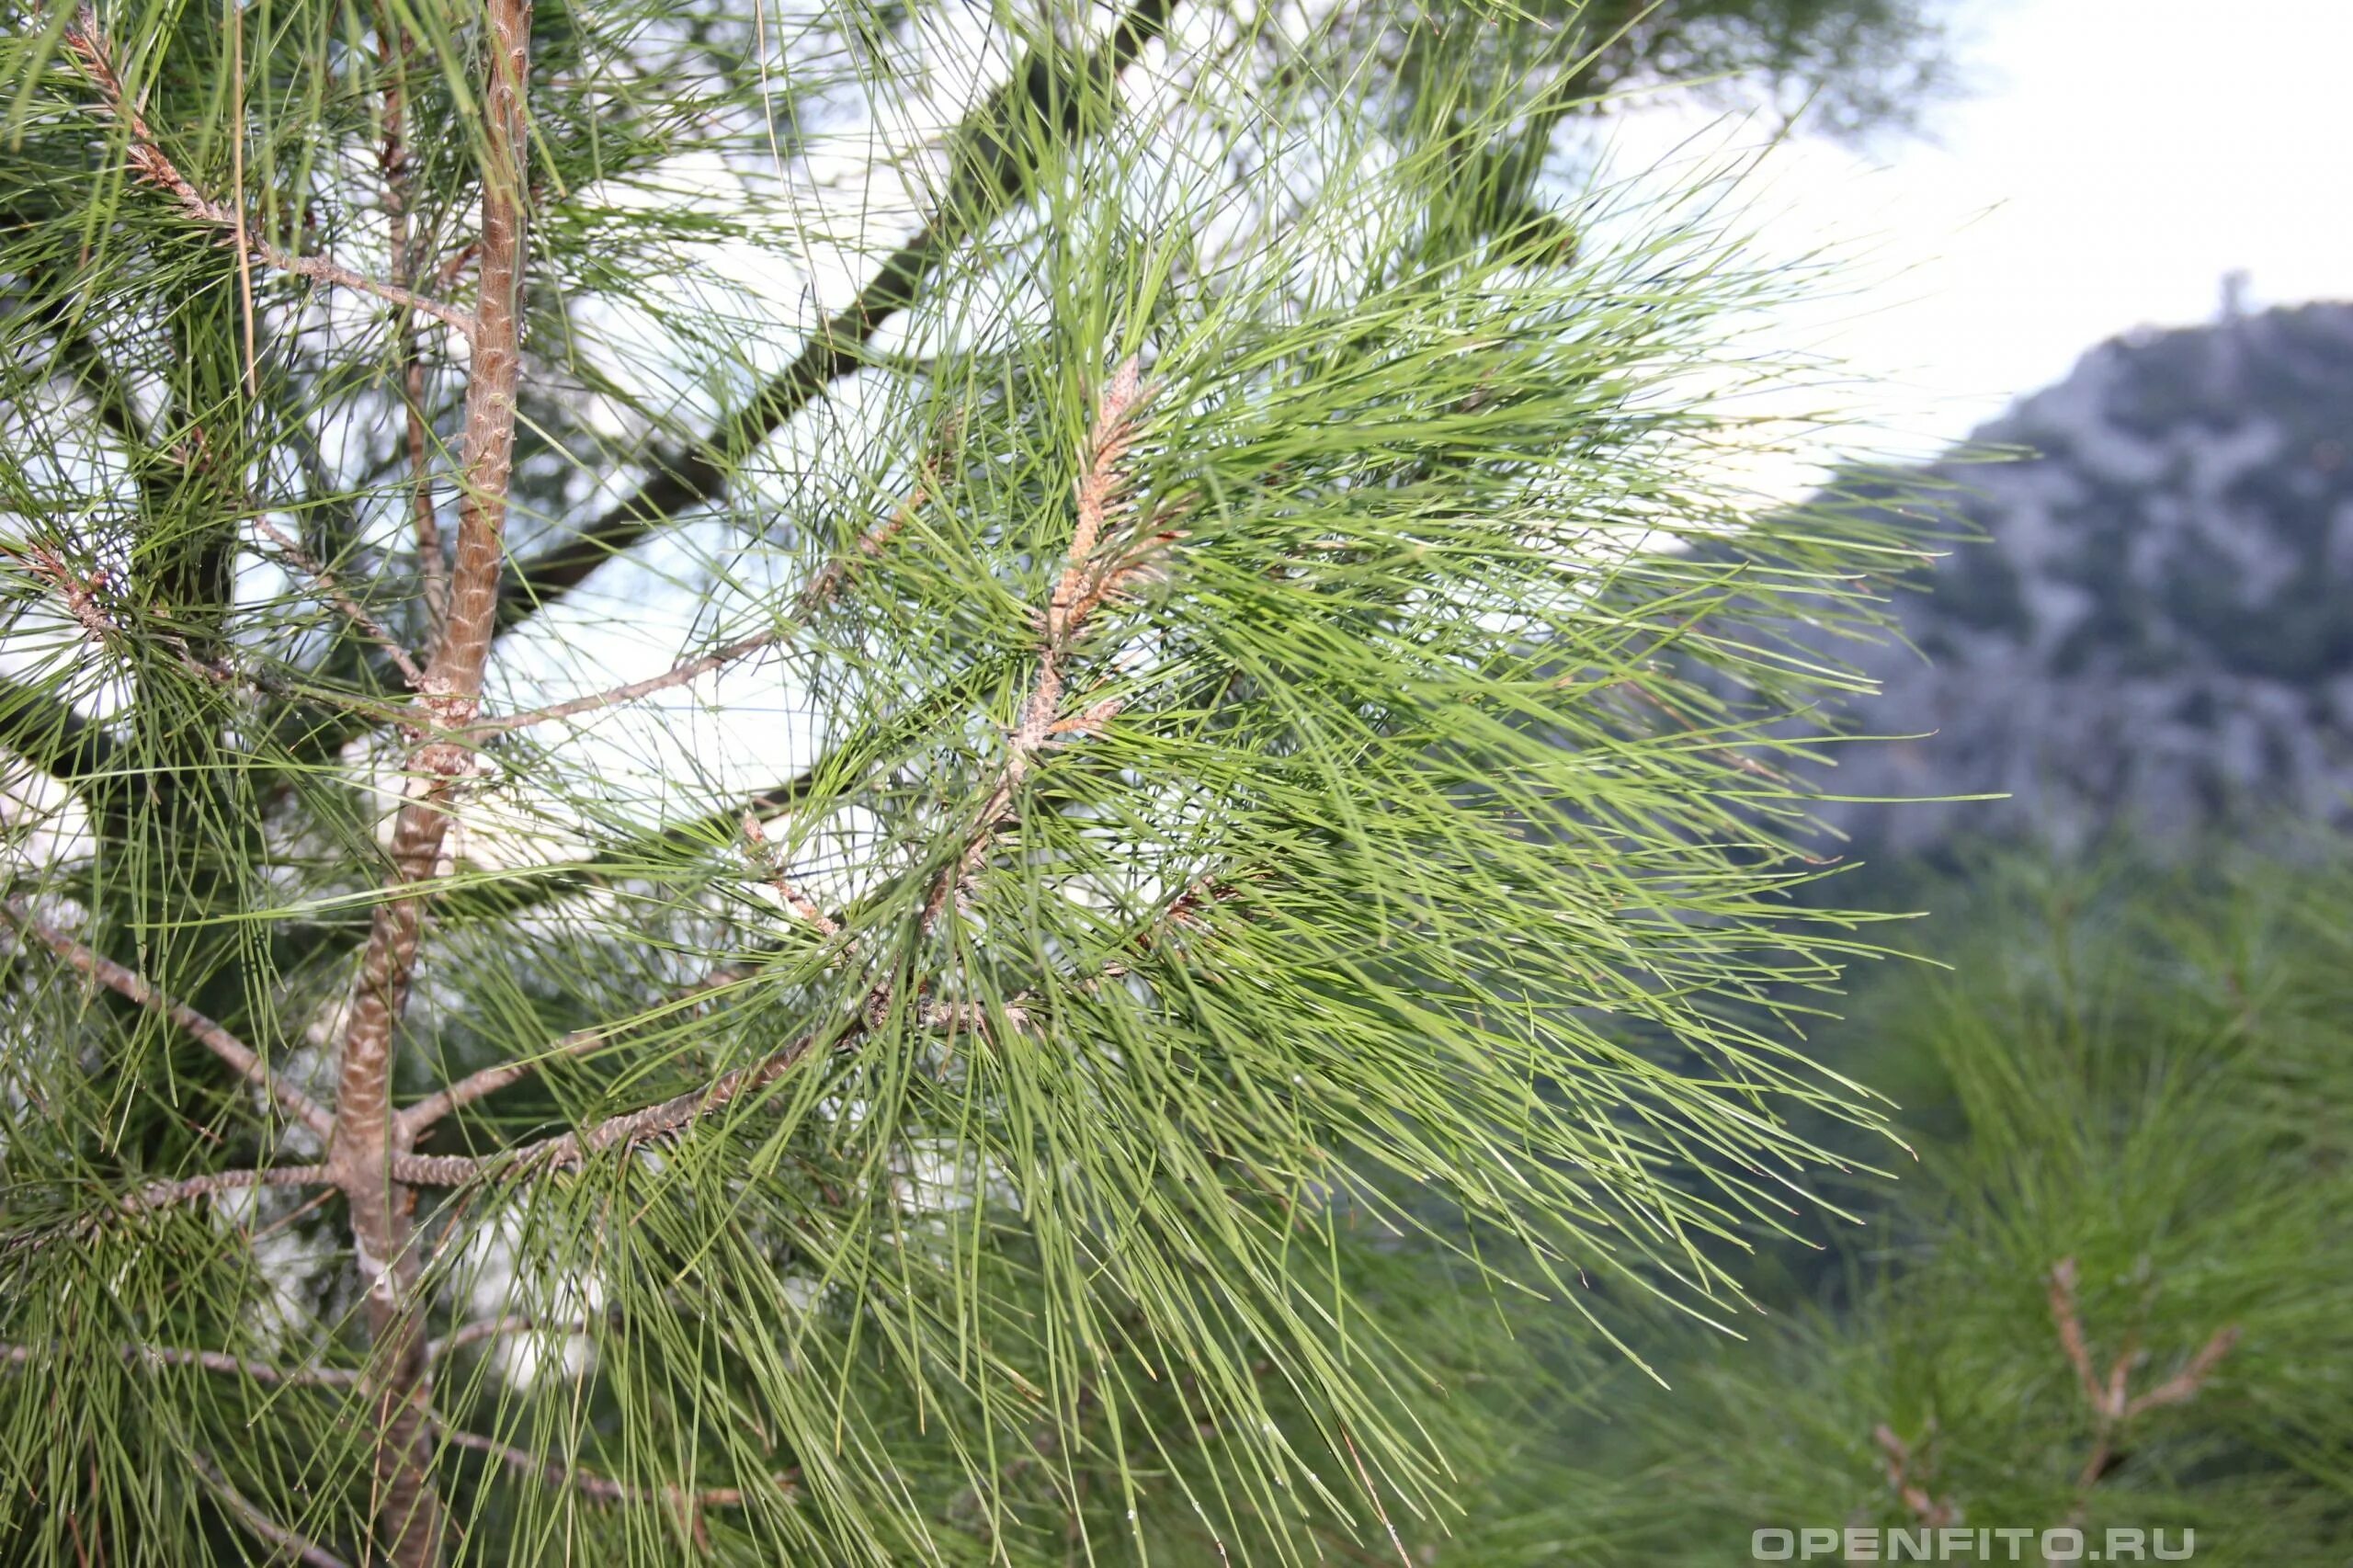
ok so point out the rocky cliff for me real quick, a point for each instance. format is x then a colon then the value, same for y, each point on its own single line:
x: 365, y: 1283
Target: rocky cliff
x: 2157, y: 628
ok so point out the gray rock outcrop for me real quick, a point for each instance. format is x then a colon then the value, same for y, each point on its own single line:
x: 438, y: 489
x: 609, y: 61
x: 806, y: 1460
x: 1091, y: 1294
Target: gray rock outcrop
x: 2157, y: 629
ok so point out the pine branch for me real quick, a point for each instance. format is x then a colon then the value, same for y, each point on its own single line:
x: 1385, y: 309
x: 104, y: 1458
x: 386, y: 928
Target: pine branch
x: 1906, y: 1474
x: 416, y: 1118
x: 991, y: 171
x: 626, y: 1130
x: 219, y: 1361
x: 164, y: 1194
x: 1084, y: 586
x: 837, y: 573
x: 2184, y: 1385
x: 800, y: 903
x: 676, y: 676
x: 351, y: 609
x: 95, y: 966
x: 88, y: 47
x: 2113, y: 1407
x: 369, y: 1138
x: 301, y: 1548
x: 2069, y: 1323
x: 688, y: 1504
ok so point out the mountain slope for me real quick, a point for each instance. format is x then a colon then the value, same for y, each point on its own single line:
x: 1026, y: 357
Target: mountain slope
x: 2157, y: 628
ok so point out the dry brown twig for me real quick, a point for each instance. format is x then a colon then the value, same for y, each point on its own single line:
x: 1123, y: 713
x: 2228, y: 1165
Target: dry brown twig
x: 2113, y: 1405
x: 299, y: 1546
x: 96, y: 967
x: 86, y: 47
x: 1907, y: 1473
x: 351, y: 609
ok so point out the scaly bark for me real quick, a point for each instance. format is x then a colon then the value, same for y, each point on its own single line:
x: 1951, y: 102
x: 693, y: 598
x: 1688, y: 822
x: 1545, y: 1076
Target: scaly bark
x: 369, y: 1137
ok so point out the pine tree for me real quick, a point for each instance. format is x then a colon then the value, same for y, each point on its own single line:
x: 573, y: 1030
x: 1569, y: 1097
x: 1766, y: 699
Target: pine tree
x: 1280, y: 833
x: 2104, y: 1313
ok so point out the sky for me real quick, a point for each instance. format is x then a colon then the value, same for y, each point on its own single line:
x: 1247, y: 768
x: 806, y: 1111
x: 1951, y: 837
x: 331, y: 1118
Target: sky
x: 2110, y: 163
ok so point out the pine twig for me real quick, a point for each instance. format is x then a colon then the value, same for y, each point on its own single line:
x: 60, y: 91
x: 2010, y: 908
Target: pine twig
x: 219, y: 1361
x: 164, y: 1194
x: 151, y: 162
x: 416, y: 1118
x: 2184, y: 1385
x: 800, y: 903
x: 1085, y: 585
x: 1911, y: 1487
x: 835, y: 574
x: 351, y: 609
x: 2113, y: 1407
x: 80, y: 591
x: 628, y: 1129
x: 2066, y: 1319
x: 604, y: 1488
x: 299, y: 1546
x: 678, y: 675
x: 97, y: 966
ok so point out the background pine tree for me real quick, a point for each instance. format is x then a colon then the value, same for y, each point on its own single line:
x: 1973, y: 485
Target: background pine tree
x: 1259, y: 858
x: 2109, y: 1297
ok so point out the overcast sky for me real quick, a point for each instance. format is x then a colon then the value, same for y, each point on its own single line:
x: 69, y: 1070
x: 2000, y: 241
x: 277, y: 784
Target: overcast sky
x: 2116, y: 159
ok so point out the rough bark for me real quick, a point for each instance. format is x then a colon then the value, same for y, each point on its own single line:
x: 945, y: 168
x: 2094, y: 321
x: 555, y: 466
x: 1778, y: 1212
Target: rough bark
x: 369, y: 1137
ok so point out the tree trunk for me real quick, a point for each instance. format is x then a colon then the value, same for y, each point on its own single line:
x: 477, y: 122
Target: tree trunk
x: 368, y: 1136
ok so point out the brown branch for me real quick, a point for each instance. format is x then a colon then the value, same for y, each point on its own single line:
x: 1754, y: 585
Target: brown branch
x: 351, y: 609
x: 990, y: 171
x: 1934, y: 1512
x: 719, y: 658
x: 301, y: 1547
x: 370, y: 1140
x: 2063, y: 1316
x: 2184, y: 1385
x: 580, y: 1042
x: 219, y: 1361
x: 392, y: 158
x: 2112, y: 1405
x: 152, y: 163
x: 626, y: 1130
x: 98, y: 967
x: 164, y: 1194
x: 1084, y: 586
